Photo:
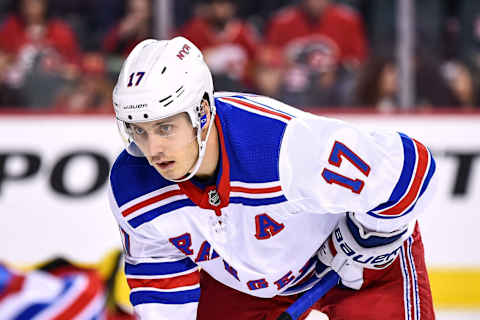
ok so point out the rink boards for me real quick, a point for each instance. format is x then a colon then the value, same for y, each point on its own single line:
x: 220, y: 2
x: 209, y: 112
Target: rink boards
x: 54, y: 169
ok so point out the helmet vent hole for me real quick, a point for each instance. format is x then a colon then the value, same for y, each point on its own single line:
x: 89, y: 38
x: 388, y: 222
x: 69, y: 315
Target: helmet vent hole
x: 145, y: 116
x: 164, y: 69
x: 130, y: 117
x: 166, y: 104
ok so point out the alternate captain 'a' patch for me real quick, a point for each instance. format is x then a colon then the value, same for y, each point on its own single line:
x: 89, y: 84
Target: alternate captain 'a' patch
x: 256, y: 194
x: 151, y: 205
x: 418, y: 169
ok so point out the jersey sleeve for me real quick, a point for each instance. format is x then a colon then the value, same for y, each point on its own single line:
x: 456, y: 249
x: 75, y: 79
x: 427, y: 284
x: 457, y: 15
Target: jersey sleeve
x: 329, y: 166
x: 164, y: 284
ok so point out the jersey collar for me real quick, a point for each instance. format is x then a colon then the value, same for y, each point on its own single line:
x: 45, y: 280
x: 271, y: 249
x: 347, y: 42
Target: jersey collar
x: 207, y: 198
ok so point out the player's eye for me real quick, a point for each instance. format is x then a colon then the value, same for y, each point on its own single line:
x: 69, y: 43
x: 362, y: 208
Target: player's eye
x: 165, y: 129
x: 138, y: 131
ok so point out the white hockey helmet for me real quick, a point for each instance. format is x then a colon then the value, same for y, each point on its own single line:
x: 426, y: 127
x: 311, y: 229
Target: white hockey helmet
x: 160, y: 79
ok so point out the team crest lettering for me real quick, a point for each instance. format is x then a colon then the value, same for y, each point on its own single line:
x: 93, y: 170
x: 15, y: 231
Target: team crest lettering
x: 206, y: 253
x: 184, y: 51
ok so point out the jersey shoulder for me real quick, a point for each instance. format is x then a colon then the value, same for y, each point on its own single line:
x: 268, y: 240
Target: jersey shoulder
x: 253, y: 128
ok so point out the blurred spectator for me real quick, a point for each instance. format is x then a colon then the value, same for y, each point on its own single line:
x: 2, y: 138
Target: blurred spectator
x: 340, y: 26
x: 43, y: 51
x: 314, y: 77
x: 259, y: 12
x: 134, y: 27
x: 9, y: 97
x: 90, y: 19
x: 378, y: 85
x: 324, y: 44
x: 270, y: 67
x: 90, y: 92
x: 460, y: 80
x: 31, y: 26
x: 228, y: 43
x: 469, y: 37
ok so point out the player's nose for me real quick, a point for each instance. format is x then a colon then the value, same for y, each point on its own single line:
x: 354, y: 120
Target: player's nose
x: 155, y: 146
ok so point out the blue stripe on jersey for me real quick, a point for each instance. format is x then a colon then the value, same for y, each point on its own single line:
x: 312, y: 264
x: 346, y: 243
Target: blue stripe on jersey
x: 430, y: 173
x: 409, y: 160
x: 264, y: 105
x: 126, y: 241
x: 159, y: 268
x: 307, y: 266
x: 5, y: 277
x: 372, y: 241
x: 171, y: 297
x: 34, y: 309
x: 257, y: 202
x: 154, y: 213
x: 99, y: 315
x: 301, y: 287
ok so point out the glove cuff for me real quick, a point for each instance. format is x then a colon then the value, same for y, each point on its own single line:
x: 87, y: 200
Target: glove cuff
x: 371, y: 250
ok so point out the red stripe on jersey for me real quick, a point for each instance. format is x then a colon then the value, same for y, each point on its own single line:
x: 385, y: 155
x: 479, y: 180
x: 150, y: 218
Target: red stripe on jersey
x: 14, y: 285
x: 250, y: 105
x: 411, y: 283
x: 331, y: 246
x: 411, y: 196
x: 166, y: 283
x: 147, y: 202
x: 94, y: 287
x: 256, y: 190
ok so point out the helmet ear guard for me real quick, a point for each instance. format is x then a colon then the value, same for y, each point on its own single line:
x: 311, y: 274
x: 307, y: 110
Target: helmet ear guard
x: 201, y: 112
x: 160, y: 79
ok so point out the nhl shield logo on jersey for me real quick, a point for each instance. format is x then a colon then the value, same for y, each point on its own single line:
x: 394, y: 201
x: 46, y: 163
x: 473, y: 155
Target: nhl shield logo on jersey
x: 213, y: 198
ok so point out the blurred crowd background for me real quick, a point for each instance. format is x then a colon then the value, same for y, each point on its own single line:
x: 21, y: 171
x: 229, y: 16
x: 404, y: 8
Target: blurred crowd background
x: 65, y: 55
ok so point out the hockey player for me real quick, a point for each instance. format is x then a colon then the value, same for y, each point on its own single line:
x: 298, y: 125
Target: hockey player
x: 229, y: 205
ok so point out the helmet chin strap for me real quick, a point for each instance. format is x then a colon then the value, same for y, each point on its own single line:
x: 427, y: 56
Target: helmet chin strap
x: 202, y: 147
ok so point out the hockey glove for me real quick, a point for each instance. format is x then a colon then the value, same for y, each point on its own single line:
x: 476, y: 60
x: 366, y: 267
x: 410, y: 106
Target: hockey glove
x: 351, y: 248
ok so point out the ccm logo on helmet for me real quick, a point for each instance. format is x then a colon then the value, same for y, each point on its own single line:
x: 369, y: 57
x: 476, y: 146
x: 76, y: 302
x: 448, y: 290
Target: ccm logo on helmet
x: 184, y: 51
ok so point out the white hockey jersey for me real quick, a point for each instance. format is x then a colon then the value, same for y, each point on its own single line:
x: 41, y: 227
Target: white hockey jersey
x: 285, y: 177
x: 40, y: 295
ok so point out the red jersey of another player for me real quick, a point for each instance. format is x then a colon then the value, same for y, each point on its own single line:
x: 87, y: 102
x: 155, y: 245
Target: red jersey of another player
x: 57, y: 35
x: 227, y: 50
x: 337, y: 22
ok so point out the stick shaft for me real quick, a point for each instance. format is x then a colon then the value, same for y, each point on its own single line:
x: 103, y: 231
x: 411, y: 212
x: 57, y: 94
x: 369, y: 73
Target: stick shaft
x: 308, y: 299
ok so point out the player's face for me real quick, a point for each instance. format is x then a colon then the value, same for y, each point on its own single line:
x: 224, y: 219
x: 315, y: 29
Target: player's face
x: 169, y: 144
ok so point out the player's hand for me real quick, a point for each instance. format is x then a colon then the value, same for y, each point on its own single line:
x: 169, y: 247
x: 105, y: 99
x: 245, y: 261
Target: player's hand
x: 351, y: 248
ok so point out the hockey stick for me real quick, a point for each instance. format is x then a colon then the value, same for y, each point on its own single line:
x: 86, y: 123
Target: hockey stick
x: 307, y: 300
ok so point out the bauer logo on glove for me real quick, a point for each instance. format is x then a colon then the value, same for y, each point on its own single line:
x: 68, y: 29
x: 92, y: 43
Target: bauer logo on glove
x: 369, y: 261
